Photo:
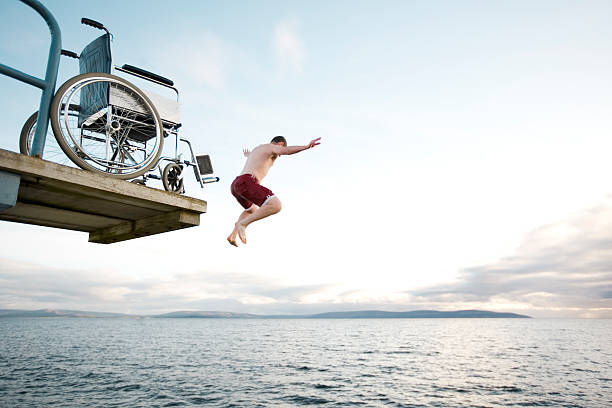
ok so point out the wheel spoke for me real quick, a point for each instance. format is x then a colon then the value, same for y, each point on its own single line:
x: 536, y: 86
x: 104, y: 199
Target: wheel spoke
x: 134, y: 131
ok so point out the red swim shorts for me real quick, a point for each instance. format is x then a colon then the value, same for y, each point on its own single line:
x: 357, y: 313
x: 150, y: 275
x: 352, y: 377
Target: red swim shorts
x: 248, y: 191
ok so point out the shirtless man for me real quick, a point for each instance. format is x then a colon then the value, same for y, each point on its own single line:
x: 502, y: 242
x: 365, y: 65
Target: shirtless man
x: 259, y: 202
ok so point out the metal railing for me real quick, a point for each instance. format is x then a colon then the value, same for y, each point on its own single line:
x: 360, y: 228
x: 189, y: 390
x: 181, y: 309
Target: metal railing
x: 48, y: 84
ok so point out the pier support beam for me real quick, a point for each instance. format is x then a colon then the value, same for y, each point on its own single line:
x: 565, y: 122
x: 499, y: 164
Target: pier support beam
x: 9, y: 187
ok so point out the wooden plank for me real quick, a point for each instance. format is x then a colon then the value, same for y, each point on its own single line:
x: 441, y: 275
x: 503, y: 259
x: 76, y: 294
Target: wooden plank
x: 58, y: 218
x: 144, y: 227
x: 49, y: 195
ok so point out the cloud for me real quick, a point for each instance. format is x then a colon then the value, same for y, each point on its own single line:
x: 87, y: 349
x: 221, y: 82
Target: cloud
x: 31, y: 286
x: 289, y: 48
x: 560, y: 269
x: 199, y: 58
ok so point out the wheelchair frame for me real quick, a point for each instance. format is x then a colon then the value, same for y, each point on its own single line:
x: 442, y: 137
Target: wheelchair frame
x: 143, y: 116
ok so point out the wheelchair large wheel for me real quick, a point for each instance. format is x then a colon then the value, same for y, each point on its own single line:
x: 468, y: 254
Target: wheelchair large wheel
x: 117, y: 130
x: 52, y: 151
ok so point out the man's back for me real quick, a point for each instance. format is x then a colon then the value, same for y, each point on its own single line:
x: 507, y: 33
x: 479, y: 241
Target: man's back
x: 260, y: 160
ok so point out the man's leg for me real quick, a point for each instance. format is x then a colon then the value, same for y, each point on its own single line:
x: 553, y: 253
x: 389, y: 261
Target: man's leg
x: 269, y: 208
x: 232, y: 237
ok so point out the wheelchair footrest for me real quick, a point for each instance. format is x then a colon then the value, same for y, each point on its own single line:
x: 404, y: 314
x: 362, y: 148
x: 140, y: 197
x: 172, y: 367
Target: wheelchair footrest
x: 204, y: 164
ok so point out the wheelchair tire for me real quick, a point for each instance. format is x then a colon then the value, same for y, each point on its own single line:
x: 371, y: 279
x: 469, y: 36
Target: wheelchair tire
x: 117, y: 132
x: 52, y: 151
x: 171, y: 180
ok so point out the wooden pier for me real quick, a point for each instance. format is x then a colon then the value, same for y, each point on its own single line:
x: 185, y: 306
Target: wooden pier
x: 39, y: 192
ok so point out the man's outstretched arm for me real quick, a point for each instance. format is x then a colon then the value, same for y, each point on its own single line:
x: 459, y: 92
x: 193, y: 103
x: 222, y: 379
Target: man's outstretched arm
x: 286, y: 150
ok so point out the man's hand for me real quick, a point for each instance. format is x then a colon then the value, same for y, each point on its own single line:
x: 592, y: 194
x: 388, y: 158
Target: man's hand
x: 246, y: 152
x: 314, y: 143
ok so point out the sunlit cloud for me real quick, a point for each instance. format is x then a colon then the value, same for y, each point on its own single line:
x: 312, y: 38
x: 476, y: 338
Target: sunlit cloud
x: 288, y: 46
x: 562, y: 268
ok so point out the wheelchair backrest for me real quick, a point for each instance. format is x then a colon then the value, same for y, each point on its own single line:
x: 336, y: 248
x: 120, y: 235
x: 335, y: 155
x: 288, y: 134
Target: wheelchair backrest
x: 96, y: 56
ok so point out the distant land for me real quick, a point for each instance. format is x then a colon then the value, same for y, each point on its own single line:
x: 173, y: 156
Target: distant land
x: 362, y: 314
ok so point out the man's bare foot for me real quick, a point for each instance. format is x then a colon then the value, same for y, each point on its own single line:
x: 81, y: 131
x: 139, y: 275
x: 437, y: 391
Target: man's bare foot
x: 232, y: 237
x: 241, y: 232
x: 232, y: 241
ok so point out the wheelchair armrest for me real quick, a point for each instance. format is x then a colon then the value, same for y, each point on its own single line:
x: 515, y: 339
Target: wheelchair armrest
x: 69, y: 54
x: 147, y: 75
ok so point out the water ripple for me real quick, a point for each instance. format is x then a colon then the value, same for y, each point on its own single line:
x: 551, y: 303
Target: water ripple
x: 332, y: 363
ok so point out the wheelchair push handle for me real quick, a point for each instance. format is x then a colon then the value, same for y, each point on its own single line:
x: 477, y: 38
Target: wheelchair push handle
x: 92, y: 23
x: 70, y: 54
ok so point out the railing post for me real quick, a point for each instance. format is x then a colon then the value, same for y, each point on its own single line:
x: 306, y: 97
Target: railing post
x: 38, y: 144
x: 48, y: 85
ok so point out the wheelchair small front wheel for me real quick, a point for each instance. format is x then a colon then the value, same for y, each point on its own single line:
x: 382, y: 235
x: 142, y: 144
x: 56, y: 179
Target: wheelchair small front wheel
x: 117, y: 130
x: 172, y: 180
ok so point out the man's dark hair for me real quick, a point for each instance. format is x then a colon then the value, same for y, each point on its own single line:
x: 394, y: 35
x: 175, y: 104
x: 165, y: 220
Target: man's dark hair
x: 278, y: 139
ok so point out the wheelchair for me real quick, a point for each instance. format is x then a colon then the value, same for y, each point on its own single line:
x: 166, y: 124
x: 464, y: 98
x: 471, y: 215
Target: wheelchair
x: 103, y: 123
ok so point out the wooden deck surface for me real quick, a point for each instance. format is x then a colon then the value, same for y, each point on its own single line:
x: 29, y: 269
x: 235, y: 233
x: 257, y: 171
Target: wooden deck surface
x: 110, y: 210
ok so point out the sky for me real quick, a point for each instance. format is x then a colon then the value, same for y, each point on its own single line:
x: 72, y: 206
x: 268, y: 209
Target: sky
x: 464, y: 161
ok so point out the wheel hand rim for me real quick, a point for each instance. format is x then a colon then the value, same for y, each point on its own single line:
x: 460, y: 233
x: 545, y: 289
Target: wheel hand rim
x: 115, y: 167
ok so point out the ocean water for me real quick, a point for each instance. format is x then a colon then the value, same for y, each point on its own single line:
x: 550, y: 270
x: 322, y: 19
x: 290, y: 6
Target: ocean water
x: 81, y: 362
